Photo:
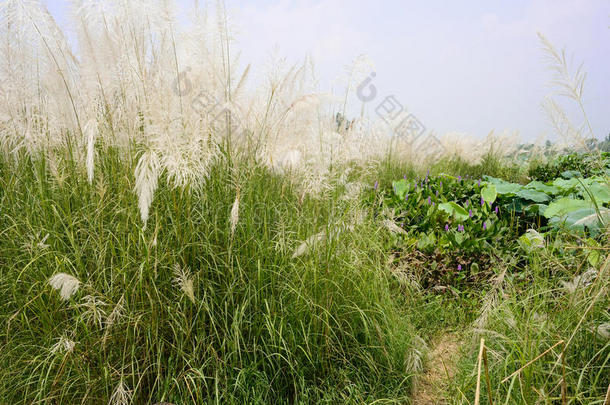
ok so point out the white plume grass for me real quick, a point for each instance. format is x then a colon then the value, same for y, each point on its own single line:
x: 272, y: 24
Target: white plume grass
x: 308, y: 244
x: 63, y: 345
x: 171, y: 99
x: 234, y: 217
x: 94, y: 311
x: 602, y: 330
x: 147, y: 175
x: 184, y: 281
x: 66, y: 284
x: 121, y: 395
x: 414, y: 362
x: 569, y: 82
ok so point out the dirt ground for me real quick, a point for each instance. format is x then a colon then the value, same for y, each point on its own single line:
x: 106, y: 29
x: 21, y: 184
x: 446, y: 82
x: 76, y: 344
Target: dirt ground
x: 431, y: 387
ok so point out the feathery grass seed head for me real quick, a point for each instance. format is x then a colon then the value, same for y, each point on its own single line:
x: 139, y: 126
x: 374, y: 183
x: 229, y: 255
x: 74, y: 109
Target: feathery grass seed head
x: 184, y: 281
x: 66, y: 284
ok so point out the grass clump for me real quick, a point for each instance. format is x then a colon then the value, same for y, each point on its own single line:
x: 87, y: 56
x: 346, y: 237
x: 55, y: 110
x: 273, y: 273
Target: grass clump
x: 185, y: 309
x: 523, y: 318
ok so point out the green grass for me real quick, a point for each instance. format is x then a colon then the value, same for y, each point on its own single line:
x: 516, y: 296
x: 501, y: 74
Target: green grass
x: 264, y: 327
x: 331, y: 326
x: 526, y: 316
x: 491, y: 164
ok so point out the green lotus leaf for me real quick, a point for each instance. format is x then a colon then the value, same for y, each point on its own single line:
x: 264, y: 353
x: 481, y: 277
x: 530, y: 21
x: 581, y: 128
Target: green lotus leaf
x: 454, y: 210
x: 600, y: 192
x: 400, y: 188
x: 543, y: 188
x: 533, y: 195
x: 489, y: 193
x: 564, y: 206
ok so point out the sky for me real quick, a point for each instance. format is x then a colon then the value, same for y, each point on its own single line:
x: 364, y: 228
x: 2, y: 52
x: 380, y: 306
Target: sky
x: 470, y: 66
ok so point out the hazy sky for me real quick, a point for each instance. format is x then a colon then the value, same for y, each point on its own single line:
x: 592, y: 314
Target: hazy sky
x: 469, y: 66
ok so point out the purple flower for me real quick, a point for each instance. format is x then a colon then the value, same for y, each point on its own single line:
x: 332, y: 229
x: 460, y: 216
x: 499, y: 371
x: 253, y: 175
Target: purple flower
x: 404, y: 177
x: 459, y: 178
x: 459, y: 267
x: 437, y: 193
x: 460, y: 228
x: 441, y: 185
x: 482, y: 201
x: 470, y: 213
x: 376, y: 185
x: 466, y: 205
x: 484, y: 226
x: 429, y: 201
x: 479, y: 182
x: 433, y: 203
x: 407, y: 197
x: 446, y: 227
x: 496, y: 210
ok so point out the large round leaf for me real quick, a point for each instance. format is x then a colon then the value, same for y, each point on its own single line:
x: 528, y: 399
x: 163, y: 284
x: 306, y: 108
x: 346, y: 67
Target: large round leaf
x: 400, y: 188
x: 503, y: 187
x: 536, y: 209
x: 543, y: 188
x: 566, y: 205
x: 454, y: 210
x: 533, y: 195
x: 566, y: 185
x: 568, y: 174
x: 489, y: 193
x: 578, y: 219
x: 600, y: 192
x: 592, y: 218
x: 517, y: 205
x: 508, y: 188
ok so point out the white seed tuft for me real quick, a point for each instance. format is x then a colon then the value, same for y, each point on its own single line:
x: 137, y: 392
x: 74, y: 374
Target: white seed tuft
x: 121, y: 395
x: 63, y: 345
x: 147, y: 174
x: 415, y: 359
x: 234, y: 218
x: 308, y: 244
x: 90, y: 131
x: 602, y: 330
x: 94, y: 310
x: 184, y: 281
x: 66, y: 284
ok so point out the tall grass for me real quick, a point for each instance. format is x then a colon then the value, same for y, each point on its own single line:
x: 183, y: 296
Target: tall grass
x: 169, y: 232
x: 553, y: 300
x: 137, y: 77
x: 186, y: 310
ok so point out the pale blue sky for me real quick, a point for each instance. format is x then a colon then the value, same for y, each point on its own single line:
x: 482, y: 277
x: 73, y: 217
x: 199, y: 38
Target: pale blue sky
x: 458, y: 66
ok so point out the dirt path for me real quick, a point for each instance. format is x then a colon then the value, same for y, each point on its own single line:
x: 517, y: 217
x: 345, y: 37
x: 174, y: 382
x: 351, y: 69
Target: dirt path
x: 431, y: 387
